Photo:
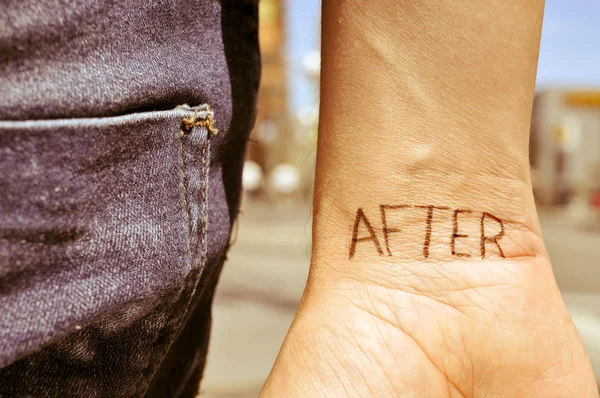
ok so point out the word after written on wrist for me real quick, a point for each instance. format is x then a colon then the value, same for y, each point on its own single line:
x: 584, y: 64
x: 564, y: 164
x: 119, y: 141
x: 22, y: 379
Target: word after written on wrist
x: 485, y: 223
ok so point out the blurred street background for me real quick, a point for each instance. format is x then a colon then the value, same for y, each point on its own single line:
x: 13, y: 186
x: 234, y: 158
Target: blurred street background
x: 263, y: 279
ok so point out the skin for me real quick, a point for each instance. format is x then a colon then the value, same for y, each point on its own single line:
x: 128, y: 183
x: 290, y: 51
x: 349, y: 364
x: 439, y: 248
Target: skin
x: 428, y: 103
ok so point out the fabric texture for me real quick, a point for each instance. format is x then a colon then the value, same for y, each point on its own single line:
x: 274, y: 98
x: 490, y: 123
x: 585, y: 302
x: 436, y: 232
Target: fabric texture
x: 116, y: 200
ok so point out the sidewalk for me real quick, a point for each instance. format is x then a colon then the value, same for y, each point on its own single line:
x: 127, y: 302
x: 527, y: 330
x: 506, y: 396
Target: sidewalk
x: 257, y: 297
x: 575, y: 255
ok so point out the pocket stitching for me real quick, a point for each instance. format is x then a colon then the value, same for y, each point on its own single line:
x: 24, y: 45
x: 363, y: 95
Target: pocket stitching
x: 193, y: 277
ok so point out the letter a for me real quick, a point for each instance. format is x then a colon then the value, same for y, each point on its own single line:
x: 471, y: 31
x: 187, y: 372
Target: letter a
x: 360, y: 216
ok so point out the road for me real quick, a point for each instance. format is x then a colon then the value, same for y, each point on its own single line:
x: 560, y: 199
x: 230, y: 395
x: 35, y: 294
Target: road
x: 263, y: 280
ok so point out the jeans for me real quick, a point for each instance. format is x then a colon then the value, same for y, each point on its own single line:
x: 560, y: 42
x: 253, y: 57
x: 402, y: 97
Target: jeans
x: 117, y: 198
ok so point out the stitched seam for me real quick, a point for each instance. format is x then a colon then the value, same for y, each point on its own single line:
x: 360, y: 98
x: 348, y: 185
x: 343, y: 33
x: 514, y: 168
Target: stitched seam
x: 204, y: 178
x: 186, y: 202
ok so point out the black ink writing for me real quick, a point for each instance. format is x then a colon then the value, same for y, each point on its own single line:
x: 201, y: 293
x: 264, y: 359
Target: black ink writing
x: 455, y: 233
x: 428, y: 227
x: 360, y: 216
x: 386, y: 230
x: 491, y: 239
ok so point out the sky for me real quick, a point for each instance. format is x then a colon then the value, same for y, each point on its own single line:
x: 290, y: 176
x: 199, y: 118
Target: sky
x: 570, y: 50
x: 569, y: 54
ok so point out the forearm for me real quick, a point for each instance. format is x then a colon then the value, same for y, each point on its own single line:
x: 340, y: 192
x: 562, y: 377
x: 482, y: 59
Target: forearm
x: 425, y: 234
x: 424, y: 104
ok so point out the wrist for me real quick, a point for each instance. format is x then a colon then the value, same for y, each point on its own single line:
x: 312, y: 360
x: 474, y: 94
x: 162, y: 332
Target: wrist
x: 435, y: 217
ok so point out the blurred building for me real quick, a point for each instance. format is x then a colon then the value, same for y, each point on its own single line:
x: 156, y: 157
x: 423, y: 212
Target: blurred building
x: 280, y: 155
x: 565, y: 147
x: 270, y: 139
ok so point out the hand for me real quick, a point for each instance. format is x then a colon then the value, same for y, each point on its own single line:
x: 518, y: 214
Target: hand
x: 429, y: 276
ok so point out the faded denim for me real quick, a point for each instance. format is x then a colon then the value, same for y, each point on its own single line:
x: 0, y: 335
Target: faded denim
x: 115, y: 211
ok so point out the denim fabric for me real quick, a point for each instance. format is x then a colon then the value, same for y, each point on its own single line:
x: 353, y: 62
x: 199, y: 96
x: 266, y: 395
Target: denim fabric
x: 115, y: 211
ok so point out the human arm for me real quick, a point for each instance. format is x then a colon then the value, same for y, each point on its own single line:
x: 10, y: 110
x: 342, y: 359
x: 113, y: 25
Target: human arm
x: 429, y: 276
